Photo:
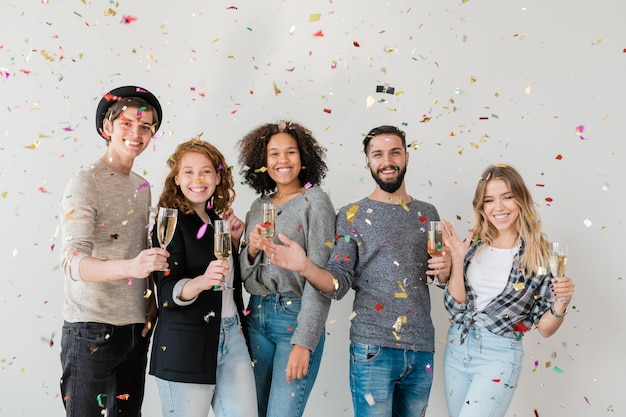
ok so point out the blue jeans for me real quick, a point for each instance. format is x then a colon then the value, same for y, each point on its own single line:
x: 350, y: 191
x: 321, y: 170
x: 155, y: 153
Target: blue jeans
x: 480, y: 375
x: 233, y: 395
x: 271, y: 323
x: 101, y: 364
x: 389, y: 382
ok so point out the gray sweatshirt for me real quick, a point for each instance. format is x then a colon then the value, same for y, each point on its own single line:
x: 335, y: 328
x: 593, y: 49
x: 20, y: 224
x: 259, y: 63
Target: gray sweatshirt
x: 381, y: 253
x: 307, y: 219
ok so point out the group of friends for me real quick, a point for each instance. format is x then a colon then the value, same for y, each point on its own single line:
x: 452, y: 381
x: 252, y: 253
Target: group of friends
x: 209, y: 350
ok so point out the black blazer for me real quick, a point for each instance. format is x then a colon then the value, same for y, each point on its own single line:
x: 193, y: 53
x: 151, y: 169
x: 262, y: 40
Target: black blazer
x: 185, y: 343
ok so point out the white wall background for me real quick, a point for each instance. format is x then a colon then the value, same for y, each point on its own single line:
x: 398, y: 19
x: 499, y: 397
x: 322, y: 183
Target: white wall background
x: 476, y: 82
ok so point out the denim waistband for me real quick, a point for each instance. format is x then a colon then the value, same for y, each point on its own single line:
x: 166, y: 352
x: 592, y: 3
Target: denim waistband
x: 230, y: 321
x: 278, y: 297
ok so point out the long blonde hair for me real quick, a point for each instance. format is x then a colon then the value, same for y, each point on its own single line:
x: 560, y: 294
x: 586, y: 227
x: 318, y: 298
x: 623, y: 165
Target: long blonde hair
x: 224, y: 194
x: 528, y: 223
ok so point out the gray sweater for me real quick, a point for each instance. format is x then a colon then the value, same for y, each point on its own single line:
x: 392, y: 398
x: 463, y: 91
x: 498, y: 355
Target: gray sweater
x: 307, y: 219
x: 104, y: 214
x: 381, y: 253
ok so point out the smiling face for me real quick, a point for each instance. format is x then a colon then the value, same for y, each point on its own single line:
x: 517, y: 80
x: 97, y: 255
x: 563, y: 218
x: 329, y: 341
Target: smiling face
x: 500, y: 207
x: 129, y: 133
x: 283, y: 161
x: 197, y: 179
x: 387, y: 160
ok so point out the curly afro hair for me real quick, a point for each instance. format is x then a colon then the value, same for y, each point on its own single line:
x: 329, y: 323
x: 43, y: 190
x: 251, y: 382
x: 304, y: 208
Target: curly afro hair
x: 253, y: 155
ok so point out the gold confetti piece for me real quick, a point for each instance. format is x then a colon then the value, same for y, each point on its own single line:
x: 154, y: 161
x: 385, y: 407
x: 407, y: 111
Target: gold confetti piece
x: 315, y: 17
x: 403, y: 204
x: 473, y: 79
x: 110, y: 12
x: 352, y: 315
x: 329, y: 244
x: 401, y: 295
x: 527, y: 89
x: 34, y: 145
x: 147, y: 293
x: 351, y: 213
x: 4, y: 194
x: 401, y: 286
x: 47, y: 56
x: 276, y: 89
x: 518, y: 286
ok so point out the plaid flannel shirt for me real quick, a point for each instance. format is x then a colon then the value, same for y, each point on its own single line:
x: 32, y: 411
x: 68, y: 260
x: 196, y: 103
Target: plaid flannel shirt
x: 514, y: 311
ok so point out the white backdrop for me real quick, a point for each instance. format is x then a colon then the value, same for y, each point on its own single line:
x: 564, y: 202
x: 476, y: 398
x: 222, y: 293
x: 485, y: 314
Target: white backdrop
x: 535, y: 84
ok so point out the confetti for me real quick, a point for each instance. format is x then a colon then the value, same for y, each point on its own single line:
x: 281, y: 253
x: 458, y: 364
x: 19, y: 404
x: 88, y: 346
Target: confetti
x: 202, y: 231
x: 351, y: 213
x: 127, y: 20
x: 579, y: 131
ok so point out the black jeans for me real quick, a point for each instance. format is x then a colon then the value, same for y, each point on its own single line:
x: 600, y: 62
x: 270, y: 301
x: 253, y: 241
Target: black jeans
x: 104, y: 366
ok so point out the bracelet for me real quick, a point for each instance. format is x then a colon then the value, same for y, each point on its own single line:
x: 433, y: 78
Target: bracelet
x: 555, y: 314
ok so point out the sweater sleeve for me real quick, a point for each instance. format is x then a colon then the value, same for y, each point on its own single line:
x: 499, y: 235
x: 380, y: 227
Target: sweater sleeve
x: 320, y: 235
x: 344, y: 257
x: 251, y: 271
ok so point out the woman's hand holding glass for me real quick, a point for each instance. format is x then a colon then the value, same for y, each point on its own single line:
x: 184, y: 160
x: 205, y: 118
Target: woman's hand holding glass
x: 214, y: 274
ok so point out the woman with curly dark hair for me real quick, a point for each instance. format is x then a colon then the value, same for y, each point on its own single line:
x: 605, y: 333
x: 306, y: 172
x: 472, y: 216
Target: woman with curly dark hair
x: 285, y: 165
x: 199, y: 353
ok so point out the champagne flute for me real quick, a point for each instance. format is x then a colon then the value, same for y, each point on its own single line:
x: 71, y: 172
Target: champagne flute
x: 222, y: 246
x: 435, y: 242
x: 268, y: 224
x: 166, y: 225
x: 557, y: 259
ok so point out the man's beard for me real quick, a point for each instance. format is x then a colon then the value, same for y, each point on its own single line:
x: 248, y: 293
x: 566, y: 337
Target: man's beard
x: 389, y: 186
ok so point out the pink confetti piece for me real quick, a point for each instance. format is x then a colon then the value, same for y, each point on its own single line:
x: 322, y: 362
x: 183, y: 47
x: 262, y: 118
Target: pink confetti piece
x: 202, y: 231
x: 579, y: 131
x: 141, y: 187
x: 308, y: 185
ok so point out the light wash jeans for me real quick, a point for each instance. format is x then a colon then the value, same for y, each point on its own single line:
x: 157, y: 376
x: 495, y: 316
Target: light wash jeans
x: 389, y: 382
x: 234, y: 394
x: 270, y: 327
x: 480, y: 375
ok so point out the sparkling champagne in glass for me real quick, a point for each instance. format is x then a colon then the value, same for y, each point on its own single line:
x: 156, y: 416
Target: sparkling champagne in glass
x: 268, y: 220
x: 166, y: 225
x: 557, y: 260
x: 435, y: 240
x: 268, y: 223
x: 222, y: 245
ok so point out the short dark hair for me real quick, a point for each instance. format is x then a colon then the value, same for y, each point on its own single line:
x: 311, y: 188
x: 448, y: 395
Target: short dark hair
x: 382, y: 130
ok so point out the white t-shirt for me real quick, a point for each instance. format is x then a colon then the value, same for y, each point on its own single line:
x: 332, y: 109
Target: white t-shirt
x: 488, y: 273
